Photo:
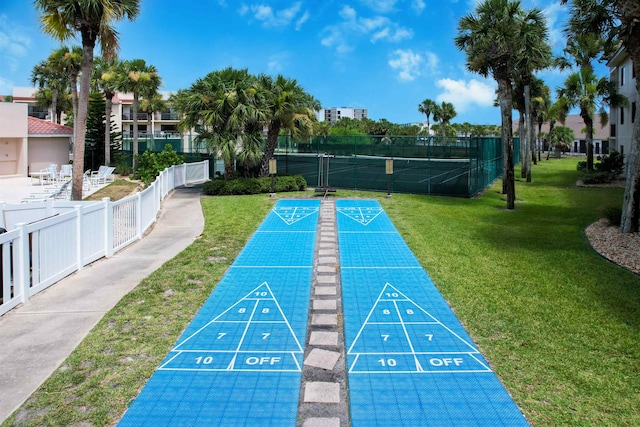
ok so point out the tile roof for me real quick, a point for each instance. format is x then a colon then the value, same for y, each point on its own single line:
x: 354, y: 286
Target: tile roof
x: 45, y: 127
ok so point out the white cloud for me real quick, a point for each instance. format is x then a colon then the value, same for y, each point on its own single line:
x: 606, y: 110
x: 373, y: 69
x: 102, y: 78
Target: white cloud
x: 410, y: 65
x: 352, y: 27
x: 555, y: 14
x: 380, y: 6
x: 13, y: 41
x: 418, y: 6
x: 14, y: 46
x: 278, y: 62
x: 407, y: 64
x: 302, y: 20
x: 465, y: 94
x: 277, y: 18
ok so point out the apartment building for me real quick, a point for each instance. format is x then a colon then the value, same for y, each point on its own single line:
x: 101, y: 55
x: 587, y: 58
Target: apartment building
x: 622, y: 118
x: 163, y: 124
x: 334, y: 114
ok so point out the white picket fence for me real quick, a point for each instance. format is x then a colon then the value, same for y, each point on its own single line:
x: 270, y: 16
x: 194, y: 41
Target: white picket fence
x: 47, y: 241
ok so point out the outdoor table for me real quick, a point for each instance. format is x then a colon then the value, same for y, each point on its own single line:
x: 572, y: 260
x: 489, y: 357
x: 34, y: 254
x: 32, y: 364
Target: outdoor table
x: 40, y: 176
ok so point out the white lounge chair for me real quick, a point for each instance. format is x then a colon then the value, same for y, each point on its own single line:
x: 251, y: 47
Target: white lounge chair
x: 103, y: 175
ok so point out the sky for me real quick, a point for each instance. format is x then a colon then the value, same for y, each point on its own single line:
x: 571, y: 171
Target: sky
x: 383, y: 55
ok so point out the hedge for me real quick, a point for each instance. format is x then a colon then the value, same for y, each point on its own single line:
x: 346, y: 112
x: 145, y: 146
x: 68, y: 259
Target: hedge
x: 283, y: 184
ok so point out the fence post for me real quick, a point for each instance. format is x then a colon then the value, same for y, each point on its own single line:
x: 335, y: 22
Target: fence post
x: 49, y: 206
x: 22, y: 279
x: 79, y: 254
x: 139, y: 216
x: 108, y: 227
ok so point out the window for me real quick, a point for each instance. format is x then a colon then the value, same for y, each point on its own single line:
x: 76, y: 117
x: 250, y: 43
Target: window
x: 633, y: 112
x: 612, y: 132
x: 621, y: 76
x: 621, y: 115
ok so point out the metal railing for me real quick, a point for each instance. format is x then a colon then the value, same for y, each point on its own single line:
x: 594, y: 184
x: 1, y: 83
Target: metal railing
x: 49, y: 240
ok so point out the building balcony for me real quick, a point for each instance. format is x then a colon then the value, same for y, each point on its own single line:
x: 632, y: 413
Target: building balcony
x: 169, y: 116
x: 129, y: 116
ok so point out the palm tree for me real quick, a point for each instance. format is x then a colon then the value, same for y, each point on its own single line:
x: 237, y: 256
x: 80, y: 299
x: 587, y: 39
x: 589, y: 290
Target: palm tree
x: 93, y: 21
x: 106, y: 79
x: 289, y: 108
x: 140, y: 79
x: 69, y: 60
x: 46, y: 74
x: 617, y: 20
x: 561, y: 138
x: 427, y: 107
x: 444, y: 113
x: 536, y: 56
x: 226, y: 108
x: 151, y: 104
x: 583, y: 90
x: 495, y: 40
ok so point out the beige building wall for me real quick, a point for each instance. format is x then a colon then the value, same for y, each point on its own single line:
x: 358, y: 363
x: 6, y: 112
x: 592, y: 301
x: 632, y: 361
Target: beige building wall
x: 14, y: 130
x: 44, y: 151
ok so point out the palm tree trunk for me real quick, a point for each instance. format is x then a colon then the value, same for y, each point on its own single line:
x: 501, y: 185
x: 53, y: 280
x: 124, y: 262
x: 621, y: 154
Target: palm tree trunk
x: 526, y: 161
x: 523, y: 146
x: 74, y: 103
x: 108, y: 107
x: 83, y: 108
x: 54, y: 105
x: 135, y: 131
x: 630, y: 220
x: 588, y: 121
x: 270, y: 148
x: 504, y: 99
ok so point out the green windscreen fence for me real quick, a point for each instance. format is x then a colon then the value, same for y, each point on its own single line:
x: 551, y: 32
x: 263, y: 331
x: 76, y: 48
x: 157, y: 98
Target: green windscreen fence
x: 434, y: 165
x: 450, y: 166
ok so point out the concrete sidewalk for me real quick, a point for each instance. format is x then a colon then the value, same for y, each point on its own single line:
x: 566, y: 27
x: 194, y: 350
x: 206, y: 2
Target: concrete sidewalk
x: 36, y: 338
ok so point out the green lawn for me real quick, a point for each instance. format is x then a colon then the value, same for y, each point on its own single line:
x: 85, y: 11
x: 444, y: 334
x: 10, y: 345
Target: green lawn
x: 559, y: 324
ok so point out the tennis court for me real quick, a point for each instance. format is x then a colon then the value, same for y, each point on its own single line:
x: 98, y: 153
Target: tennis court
x: 410, y: 361
x: 239, y: 361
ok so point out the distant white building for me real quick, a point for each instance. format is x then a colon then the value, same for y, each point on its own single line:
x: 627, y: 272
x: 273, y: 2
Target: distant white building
x: 621, y: 119
x: 334, y: 114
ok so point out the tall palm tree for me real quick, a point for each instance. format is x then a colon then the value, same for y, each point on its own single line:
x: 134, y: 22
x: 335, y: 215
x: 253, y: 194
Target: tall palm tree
x: 106, y: 81
x: 140, y: 79
x: 289, y: 109
x: 47, y: 74
x: 226, y: 108
x: 150, y: 104
x: 492, y: 38
x: 583, y: 90
x: 69, y: 60
x: 93, y: 20
x: 427, y: 107
x: 443, y: 113
x: 535, y: 56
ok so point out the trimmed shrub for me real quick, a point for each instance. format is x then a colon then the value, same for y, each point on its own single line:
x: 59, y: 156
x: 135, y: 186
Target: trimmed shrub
x: 613, y: 214
x: 283, y: 184
x: 613, y: 162
x: 597, y: 177
x: 581, y: 166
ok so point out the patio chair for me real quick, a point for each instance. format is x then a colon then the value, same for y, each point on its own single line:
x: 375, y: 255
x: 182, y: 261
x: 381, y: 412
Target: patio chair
x: 66, y: 172
x: 102, y: 175
x: 52, y: 177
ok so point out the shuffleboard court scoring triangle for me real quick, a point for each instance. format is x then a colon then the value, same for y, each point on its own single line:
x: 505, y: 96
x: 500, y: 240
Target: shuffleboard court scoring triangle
x: 291, y: 215
x: 361, y: 215
x: 251, y: 335
x: 399, y: 337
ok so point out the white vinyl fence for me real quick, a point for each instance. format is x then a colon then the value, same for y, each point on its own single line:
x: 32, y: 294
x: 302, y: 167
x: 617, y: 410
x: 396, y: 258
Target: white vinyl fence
x: 47, y: 241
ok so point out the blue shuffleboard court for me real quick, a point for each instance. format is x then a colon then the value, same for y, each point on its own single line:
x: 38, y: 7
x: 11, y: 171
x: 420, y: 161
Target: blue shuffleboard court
x: 409, y: 360
x: 239, y: 362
